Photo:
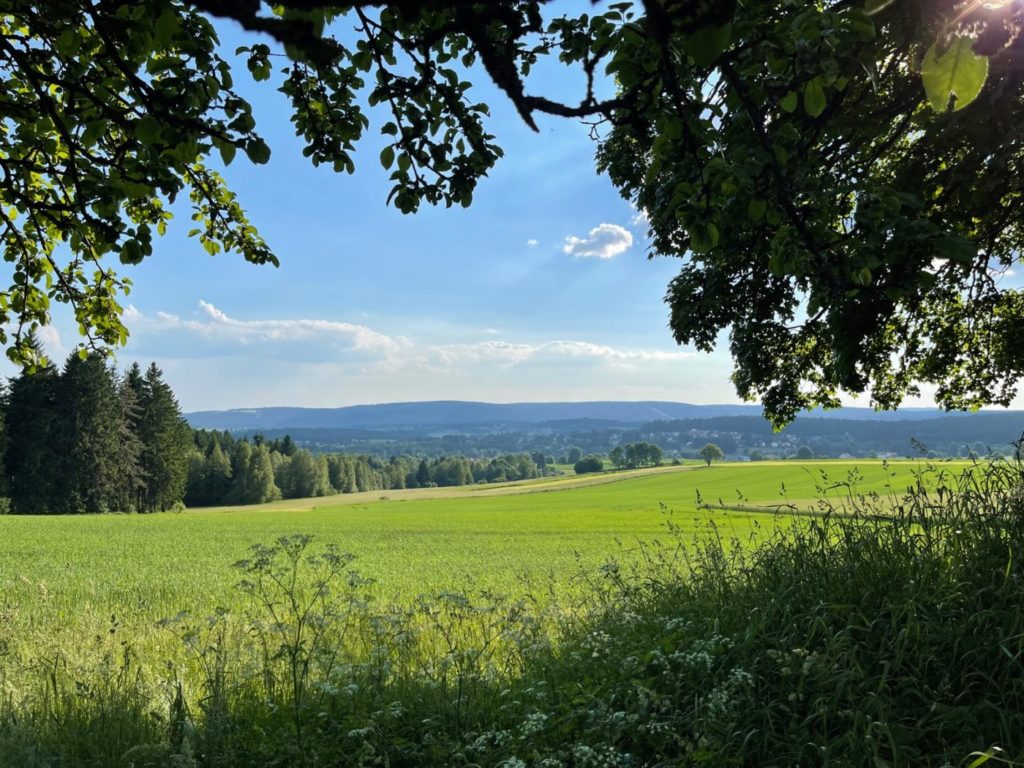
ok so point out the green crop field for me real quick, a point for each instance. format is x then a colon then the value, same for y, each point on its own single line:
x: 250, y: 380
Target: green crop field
x: 75, y: 575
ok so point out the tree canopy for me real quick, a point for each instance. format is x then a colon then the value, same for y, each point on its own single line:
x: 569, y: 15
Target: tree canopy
x: 841, y: 180
x: 711, y: 452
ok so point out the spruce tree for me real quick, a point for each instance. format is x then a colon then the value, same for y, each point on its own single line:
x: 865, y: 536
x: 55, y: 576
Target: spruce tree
x: 87, y: 436
x: 30, y: 459
x: 130, y: 478
x: 166, y: 443
x: 241, y: 458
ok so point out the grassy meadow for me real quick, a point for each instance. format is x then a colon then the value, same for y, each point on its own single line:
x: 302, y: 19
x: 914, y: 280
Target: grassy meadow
x: 69, y: 574
x: 532, y: 624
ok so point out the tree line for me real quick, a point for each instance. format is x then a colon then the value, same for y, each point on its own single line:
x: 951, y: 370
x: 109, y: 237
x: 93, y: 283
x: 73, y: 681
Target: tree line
x: 635, y: 455
x: 224, y: 469
x: 86, y: 438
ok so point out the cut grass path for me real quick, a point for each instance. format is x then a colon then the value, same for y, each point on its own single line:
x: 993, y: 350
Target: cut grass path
x: 72, y: 574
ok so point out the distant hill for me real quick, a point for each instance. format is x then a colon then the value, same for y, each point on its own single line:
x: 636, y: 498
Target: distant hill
x: 455, y: 414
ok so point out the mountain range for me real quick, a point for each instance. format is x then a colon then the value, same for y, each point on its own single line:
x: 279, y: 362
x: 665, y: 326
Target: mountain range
x: 455, y: 414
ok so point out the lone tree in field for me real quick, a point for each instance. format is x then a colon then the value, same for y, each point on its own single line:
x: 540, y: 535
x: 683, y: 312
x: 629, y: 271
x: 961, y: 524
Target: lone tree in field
x: 841, y: 181
x: 711, y: 452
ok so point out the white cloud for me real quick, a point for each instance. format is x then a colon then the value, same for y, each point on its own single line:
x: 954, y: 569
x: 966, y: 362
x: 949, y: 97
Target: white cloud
x: 548, y: 352
x: 641, y: 219
x: 52, y: 345
x: 531, y: 242
x: 214, y: 323
x: 605, y: 241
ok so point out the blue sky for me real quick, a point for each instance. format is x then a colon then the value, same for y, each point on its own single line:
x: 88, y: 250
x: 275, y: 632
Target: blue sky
x: 541, y: 290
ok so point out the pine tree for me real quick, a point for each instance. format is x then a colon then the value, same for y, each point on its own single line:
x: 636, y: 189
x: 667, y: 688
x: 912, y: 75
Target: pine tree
x: 166, y: 443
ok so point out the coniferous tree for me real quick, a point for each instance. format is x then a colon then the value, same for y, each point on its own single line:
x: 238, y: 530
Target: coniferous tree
x: 88, y: 436
x: 218, y: 475
x: 31, y: 458
x: 130, y: 480
x: 241, y: 459
x: 166, y: 443
x: 423, y: 474
x: 196, y: 487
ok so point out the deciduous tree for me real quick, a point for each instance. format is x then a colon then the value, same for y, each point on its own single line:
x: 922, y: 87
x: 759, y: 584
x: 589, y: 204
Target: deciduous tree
x: 711, y: 452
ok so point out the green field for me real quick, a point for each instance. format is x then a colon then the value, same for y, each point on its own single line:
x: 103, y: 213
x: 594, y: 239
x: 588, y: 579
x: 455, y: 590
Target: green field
x: 73, y: 574
x: 883, y: 620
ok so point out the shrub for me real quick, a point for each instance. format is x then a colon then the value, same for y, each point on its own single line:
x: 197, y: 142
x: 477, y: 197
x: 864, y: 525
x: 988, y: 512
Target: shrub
x: 589, y: 464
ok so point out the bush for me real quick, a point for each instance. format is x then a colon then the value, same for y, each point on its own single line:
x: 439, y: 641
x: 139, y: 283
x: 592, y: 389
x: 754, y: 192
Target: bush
x: 589, y: 464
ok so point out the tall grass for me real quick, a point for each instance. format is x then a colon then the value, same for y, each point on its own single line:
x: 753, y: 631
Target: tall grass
x: 885, y: 631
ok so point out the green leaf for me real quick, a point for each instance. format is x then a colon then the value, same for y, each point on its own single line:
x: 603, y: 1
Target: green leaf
x: 147, y: 129
x: 703, y: 237
x: 227, y: 152
x: 258, y: 151
x: 387, y: 156
x: 756, y: 208
x: 166, y: 26
x: 814, y: 97
x: 93, y: 131
x: 706, y: 45
x: 956, y: 71
x: 131, y: 252
x: 789, y: 101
